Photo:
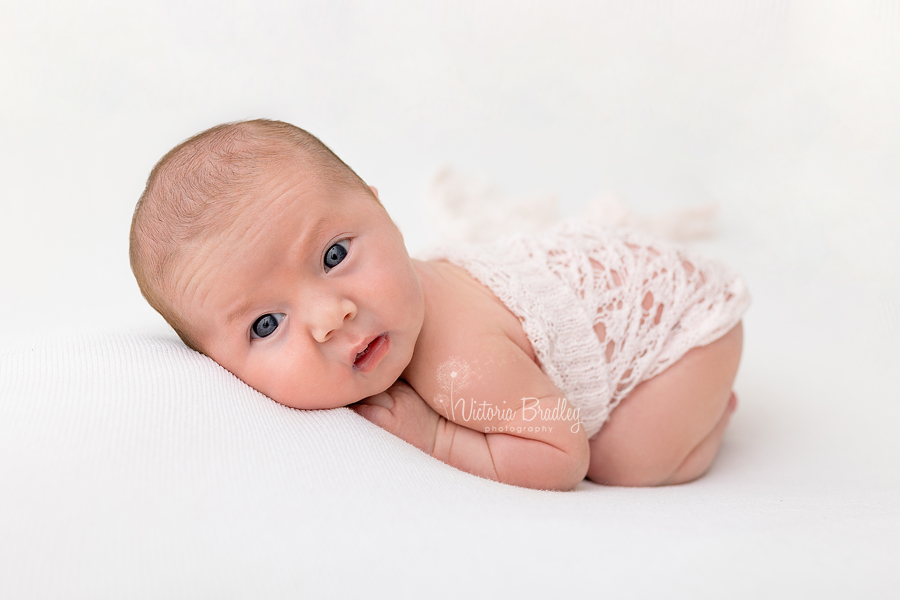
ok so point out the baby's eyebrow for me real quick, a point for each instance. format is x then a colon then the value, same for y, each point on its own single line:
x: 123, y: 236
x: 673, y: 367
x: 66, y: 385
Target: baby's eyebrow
x: 313, y: 232
x: 318, y: 228
x: 238, y: 312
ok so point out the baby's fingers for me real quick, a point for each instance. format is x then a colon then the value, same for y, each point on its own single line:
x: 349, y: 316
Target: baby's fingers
x: 372, y: 413
x: 401, y: 411
x: 375, y: 409
x: 383, y: 399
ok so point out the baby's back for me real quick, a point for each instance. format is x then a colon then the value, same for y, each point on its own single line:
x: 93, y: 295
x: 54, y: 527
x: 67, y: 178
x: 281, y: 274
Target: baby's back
x: 599, y: 310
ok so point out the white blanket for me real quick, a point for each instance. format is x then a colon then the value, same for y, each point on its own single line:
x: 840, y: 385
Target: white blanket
x: 132, y: 467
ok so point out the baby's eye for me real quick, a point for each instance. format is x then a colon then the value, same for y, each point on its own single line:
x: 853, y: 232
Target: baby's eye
x: 265, y: 325
x: 336, y: 254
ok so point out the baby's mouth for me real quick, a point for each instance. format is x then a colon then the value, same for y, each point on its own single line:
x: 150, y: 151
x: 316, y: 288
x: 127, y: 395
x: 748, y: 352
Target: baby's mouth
x: 361, y: 361
x: 362, y: 353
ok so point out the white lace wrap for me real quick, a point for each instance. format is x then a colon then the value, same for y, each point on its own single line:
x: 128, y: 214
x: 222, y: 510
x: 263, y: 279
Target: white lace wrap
x: 654, y: 299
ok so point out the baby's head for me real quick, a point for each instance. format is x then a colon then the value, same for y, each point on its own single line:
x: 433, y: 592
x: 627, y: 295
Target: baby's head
x: 264, y: 251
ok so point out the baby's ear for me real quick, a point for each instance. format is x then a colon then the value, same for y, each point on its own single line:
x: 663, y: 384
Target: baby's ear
x: 374, y: 191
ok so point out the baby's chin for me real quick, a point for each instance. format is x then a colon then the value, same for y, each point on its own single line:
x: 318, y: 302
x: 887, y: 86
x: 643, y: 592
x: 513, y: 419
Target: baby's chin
x: 315, y: 403
x: 325, y: 401
x: 338, y: 392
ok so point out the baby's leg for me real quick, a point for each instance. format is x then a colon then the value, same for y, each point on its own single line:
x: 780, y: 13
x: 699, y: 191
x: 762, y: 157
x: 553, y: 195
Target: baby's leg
x: 669, y: 428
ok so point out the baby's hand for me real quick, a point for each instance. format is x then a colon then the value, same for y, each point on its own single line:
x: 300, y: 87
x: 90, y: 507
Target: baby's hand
x: 402, y: 412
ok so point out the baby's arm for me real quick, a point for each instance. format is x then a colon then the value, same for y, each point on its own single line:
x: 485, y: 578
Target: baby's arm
x: 497, y: 428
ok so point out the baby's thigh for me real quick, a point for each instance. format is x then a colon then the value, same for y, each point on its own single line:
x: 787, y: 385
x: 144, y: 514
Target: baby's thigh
x: 652, y: 431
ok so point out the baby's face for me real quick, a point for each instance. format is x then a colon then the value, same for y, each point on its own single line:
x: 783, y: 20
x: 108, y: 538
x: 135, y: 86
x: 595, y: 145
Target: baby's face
x: 311, y: 297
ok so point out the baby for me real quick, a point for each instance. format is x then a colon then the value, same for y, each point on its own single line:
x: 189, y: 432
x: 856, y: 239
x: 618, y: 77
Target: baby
x: 267, y: 253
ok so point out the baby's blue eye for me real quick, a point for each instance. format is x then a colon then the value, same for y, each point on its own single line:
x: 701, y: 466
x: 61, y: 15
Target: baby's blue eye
x: 265, y: 325
x: 336, y: 254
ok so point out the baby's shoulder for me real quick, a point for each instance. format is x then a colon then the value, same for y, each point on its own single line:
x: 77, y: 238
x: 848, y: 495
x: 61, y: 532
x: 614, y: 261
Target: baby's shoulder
x: 460, y: 311
x: 466, y: 330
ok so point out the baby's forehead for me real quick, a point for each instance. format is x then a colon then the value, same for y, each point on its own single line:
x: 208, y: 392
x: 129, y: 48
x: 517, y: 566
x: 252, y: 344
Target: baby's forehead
x: 280, y: 189
x: 258, y: 212
x: 271, y: 189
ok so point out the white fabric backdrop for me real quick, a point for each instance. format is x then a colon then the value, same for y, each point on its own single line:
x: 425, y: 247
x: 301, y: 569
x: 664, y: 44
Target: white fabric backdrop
x: 129, y: 467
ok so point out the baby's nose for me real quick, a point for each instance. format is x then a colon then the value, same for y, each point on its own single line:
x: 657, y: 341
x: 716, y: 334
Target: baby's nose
x: 331, y: 318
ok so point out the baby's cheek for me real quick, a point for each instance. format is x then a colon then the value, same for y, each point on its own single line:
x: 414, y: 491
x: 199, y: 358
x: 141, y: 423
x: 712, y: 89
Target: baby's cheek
x: 269, y: 378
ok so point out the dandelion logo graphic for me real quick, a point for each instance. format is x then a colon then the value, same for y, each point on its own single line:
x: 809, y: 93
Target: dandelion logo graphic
x: 453, y: 375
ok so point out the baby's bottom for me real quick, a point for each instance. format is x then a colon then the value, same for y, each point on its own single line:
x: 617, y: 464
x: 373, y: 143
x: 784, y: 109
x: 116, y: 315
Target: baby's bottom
x: 669, y: 428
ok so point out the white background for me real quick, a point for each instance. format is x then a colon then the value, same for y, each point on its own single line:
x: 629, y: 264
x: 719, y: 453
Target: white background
x: 785, y: 113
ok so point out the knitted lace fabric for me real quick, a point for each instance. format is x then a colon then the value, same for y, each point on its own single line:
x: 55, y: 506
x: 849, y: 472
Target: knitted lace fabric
x: 604, y: 309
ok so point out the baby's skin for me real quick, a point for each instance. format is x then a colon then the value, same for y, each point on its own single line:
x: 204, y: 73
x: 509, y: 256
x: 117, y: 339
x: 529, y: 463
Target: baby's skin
x: 312, y: 299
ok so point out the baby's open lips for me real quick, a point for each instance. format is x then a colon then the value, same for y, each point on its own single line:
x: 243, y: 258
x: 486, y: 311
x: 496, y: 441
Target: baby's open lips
x: 367, y: 355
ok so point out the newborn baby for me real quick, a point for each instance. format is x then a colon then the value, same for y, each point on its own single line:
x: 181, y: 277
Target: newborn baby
x: 267, y: 253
